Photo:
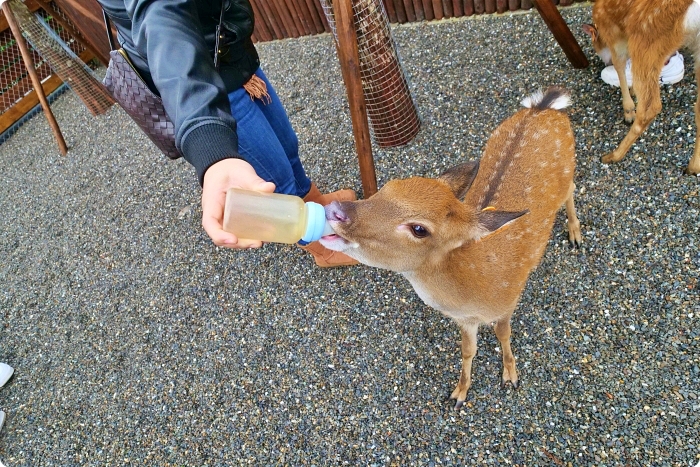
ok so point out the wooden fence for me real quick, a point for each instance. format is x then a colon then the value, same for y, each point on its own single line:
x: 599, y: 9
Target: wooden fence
x: 282, y: 19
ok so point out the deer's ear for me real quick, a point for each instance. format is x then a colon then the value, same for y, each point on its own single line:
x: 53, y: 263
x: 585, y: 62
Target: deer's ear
x: 491, y: 220
x: 461, y: 177
x: 591, y: 30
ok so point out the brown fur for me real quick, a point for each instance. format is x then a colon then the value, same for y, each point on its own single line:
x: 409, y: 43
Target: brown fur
x: 474, y: 263
x: 648, y: 32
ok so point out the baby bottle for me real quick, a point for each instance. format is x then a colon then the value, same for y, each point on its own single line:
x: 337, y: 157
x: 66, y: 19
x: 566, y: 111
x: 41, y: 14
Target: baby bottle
x: 272, y: 217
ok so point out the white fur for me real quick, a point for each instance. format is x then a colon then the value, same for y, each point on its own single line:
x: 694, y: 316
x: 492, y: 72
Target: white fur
x: 691, y: 24
x: 561, y: 102
x: 536, y: 97
x: 532, y: 100
x: 606, y: 56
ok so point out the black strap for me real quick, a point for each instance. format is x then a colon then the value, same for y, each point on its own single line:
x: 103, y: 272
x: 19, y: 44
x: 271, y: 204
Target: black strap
x: 108, y: 26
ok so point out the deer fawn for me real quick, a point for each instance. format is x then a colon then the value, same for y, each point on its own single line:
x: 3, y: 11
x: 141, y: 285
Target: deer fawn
x: 648, y: 32
x: 471, y: 259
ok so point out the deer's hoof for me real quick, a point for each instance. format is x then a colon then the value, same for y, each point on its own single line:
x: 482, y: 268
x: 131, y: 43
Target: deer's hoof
x: 575, y: 237
x: 609, y: 158
x: 512, y: 382
x: 630, y: 116
x: 574, y: 244
x: 460, y: 395
x: 689, y: 171
x: 510, y: 376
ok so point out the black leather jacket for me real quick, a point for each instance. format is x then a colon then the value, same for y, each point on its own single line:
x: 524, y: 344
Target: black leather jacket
x: 171, y: 43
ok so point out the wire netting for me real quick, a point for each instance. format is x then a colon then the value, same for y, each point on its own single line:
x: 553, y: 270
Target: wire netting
x: 392, y: 114
x: 14, y: 79
x: 62, y: 57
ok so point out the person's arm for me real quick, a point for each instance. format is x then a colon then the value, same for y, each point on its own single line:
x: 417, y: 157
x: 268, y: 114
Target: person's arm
x: 169, y: 34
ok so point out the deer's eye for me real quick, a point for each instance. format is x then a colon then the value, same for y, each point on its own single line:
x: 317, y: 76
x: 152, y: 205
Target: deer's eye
x: 419, y: 231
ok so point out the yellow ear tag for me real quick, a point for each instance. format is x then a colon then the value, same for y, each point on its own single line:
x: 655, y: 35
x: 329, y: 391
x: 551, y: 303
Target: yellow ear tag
x: 488, y: 208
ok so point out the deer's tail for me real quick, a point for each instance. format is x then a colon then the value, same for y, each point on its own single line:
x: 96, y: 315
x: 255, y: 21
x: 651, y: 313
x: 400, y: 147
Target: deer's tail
x: 553, y: 98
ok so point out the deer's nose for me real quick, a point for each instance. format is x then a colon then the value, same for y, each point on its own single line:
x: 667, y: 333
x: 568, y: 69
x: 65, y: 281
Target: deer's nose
x: 334, y: 212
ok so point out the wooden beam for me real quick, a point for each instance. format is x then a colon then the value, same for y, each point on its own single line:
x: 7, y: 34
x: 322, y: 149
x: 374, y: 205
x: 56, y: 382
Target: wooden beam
x: 31, y: 4
x: 75, y: 34
x: 86, y: 16
x: 348, y: 55
x: 561, y: 32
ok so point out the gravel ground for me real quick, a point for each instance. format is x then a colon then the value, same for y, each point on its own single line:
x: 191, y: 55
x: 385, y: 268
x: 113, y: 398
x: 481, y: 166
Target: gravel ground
x: 135, y: 341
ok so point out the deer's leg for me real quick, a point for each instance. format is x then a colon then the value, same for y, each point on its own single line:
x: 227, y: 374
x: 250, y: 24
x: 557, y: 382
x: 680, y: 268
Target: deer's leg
x: 646, y: 82
x: 620, y: 63
x: 573, y: 223
x: 510, y: 374
x: 468, y: 351
x: 694, y: 164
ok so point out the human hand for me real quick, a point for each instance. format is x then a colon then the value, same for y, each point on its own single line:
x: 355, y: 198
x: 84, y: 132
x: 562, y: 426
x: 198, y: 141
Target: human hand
x: 225, y: 174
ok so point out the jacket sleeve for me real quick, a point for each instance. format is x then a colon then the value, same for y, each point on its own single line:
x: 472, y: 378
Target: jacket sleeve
x: 169, y: 34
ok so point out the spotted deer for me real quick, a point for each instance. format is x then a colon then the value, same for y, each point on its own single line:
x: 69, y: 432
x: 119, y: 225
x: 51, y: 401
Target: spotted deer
x: 648, y: 32
x: 468, y: 240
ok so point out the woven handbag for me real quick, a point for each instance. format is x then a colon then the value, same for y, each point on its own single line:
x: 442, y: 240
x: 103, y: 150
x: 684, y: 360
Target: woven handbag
x: 138, y: 101
x: 144, y: 107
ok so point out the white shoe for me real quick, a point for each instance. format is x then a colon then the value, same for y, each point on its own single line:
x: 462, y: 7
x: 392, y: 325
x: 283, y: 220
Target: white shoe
x: 674, y: 70
x: 671, y: 73
x: 5, y: 373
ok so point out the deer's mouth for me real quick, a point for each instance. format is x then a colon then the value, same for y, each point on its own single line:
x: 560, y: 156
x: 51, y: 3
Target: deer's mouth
x: 335, y: 241
x: 337, y: 218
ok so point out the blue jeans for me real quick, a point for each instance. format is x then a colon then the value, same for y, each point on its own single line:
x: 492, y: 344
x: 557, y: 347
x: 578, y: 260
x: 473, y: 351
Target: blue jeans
x: 267, y: 140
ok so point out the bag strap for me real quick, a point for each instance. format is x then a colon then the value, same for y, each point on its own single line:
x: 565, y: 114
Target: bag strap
x: 108, y: 26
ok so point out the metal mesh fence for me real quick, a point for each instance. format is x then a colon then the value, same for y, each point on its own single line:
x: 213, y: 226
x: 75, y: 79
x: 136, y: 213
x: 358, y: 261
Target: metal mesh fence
x: 392, y: 114
x: 75, y: 46
x: 62, y: 58
x: 14, y: 79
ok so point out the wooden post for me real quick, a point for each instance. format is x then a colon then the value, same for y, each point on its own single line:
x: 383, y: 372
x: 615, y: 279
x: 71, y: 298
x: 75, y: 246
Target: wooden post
x: 562, y: 33
x: 410, y: 11
x: 390, y: 10
x: 36, y: 82
x: 348, y: 55
x: 260, y: 28
x: 468, y: 7
x: 400, y: 11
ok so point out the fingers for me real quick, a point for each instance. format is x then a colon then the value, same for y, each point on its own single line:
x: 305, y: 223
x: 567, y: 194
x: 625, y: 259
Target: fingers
x: 218, y: 179
x: 212, y: 222
x: 263, y: 186
x: 221, y: 238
